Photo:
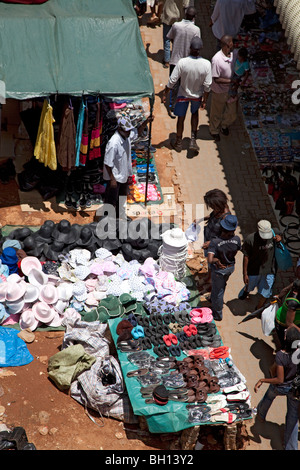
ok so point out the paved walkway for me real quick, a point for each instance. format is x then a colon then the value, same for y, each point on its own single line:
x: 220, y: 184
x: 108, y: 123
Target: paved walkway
x: 231, y: 166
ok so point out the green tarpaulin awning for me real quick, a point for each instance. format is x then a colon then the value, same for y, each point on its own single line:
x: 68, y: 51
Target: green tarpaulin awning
x: 73, y: 47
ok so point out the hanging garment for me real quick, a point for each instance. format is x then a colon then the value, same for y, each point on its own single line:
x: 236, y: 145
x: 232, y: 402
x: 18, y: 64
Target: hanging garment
x: 79, y: 130
x: 66, y: 146
x: 84, y: 145
x: 95, y: 151
x: 45, y: 150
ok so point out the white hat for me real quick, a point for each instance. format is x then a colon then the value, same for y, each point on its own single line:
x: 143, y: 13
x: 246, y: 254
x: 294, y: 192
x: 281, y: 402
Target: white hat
x: 13, y: 278
x: 60, y: 306
x: 175, y: 237
x: 56, y: 320
x: 43, y: 312
x: 15, y: 307
x: 265, y: 229
x: 65, y: 291
x: 28, y: 320
x: 14, y: 291
x: 48, y: 294
x: 80, y: 291
x: 32, y: 293
x: 37, y: 278
x: 28, y: 263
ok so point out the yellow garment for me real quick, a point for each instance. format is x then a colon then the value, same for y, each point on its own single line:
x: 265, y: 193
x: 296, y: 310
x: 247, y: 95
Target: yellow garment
x: 45, y: 150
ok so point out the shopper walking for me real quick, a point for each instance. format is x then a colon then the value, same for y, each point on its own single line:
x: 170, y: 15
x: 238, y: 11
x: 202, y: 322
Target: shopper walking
x: 222, y: 251
x: 173, y: 10
x: 228, y: 15
x: 222, y: 113
x: 259, y: 263
x: 181, y: 34
x: 194, y: 74
x: 281, y: 385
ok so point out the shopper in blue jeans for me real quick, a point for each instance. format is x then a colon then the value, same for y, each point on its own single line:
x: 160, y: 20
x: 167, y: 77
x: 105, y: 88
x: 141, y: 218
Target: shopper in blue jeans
x: 286, y: 369
x: 221, y: 257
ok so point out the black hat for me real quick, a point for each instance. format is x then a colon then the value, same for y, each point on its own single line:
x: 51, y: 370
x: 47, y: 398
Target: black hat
x: 86, y: 237
x: 44, y: 233
x: 32, y: 246
x: 112, y: 245
x: 65, y: 232
x: 20, y: 233
x: 52, y: 251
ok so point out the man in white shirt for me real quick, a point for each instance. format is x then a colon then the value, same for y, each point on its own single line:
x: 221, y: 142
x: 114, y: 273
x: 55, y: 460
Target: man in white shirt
x: 195, y: 77
x: 117, y: 168
x: 228, y: 15
x: 222, y: 113
x: 180, y: 35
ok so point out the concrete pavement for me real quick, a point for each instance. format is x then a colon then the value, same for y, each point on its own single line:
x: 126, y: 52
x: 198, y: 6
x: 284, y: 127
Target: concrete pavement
x: 229, y: 165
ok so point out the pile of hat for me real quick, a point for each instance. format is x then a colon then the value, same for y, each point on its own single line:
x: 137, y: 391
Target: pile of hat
x: 140, y: 240
x: 39, y: 300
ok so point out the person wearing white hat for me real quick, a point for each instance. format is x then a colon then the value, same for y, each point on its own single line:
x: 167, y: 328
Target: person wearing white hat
x: 259, y: 264
x: 117, y: 168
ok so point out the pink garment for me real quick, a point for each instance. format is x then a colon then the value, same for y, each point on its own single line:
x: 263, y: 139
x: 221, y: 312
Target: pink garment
x: 12, y: 319
x: 222, y: 67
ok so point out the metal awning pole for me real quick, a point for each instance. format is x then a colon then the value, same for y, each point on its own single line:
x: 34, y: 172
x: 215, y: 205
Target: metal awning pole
x: 148, y: 151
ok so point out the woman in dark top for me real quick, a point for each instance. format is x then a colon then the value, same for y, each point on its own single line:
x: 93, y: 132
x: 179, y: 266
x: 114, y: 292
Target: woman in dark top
x: 286, y: 369
x: 217, y: 201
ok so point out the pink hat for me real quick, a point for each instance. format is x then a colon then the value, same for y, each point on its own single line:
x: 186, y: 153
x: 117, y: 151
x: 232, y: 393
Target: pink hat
x: 28, y: 320
x: 91, y: 300
x: 91, y: 284
x: 97, y: 269
x: 109, y: 267
x: 14, y: 291
x: 49, y: 294
x: 43, y: 312
x: 201, y: 315
x: 28, y: 263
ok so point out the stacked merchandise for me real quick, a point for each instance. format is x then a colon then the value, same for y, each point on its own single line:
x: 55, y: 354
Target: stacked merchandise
x: 68, y: 137
x: 271, y: 117
x: 173, y: 361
